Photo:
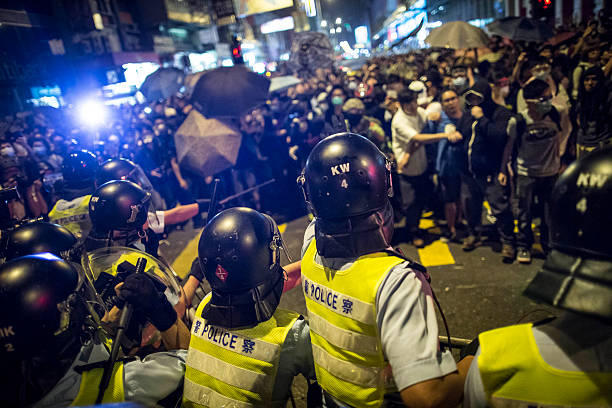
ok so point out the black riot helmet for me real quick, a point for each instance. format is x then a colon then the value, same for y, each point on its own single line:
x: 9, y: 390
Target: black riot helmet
x: 79, y: 169
x: 122, y: 169
x: 119, y: 206
x: 239, y: 252
x: 34, y: 291
x: 577, y: 274
x: 346, y: 175
x: 38, y: 237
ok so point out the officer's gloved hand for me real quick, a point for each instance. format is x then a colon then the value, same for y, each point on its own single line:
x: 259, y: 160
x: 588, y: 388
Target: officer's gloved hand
x: 196, y: 270
x: 140, y: 291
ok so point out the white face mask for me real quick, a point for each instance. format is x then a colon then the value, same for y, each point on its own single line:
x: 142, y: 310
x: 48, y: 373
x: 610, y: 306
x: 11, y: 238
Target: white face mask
x: 388, y: 116
x: 352, y: 85
x: 459, y: 81
x: 504, y: 91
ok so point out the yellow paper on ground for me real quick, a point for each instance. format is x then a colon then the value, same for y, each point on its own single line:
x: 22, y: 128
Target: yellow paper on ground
x: 436, y: 254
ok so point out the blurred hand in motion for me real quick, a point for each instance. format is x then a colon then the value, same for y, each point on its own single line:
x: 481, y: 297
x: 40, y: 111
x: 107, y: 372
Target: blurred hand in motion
x: 433, y: 116
x: 454, y: 137
x: 477, y: 112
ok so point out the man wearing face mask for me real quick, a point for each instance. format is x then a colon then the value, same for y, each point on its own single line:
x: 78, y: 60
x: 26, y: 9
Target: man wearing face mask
x: 334, y: 119
x: 356, y: 122
x: 537, y: 162
x: 541, y: 69
x: 459, y: 73
x: 500, y: 88
x: 487, y: 175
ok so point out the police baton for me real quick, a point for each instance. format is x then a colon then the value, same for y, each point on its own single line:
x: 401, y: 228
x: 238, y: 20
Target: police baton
x: 124, y: 321
x: 454, y: 342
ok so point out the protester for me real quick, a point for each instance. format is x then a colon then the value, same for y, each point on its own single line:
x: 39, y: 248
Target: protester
x: 538, y: 162
x: 491, y: 127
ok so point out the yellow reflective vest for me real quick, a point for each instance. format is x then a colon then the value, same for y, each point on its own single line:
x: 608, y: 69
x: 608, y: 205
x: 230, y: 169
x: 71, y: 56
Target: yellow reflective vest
x: 234, y: 368
x: 346, y: 347
x: 73, y: 215
x: 514, y: 374
x: 90, y: 383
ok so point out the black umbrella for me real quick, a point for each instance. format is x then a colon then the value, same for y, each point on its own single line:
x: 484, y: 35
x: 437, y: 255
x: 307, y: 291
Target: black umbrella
x: 229, y: 92
x: 162, y: 84
x: 521, y: 29
x: 310, y: 50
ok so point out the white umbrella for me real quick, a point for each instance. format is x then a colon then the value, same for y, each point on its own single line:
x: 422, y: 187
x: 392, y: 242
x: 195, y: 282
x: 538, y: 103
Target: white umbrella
x: 457, y: 35
x: 283, y: 82
x: 206, y: 146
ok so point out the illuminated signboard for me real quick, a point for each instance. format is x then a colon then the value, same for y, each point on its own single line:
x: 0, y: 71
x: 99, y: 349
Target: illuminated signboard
x: 247, y: 7
x: 279, y: 24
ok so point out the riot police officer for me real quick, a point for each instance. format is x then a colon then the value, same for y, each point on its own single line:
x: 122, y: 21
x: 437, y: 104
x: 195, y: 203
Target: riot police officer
x: 566, y: 361
x: 118, y: 212
x: 369, y: 307
x: 244, y: 351
x: 51, y: 350
x: 123, y: 169
x: 72, y: 209
x: 38, y: 237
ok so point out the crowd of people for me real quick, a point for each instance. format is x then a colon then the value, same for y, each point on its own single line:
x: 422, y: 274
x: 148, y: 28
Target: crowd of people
x: 496, y: 125
x: 89, y: 315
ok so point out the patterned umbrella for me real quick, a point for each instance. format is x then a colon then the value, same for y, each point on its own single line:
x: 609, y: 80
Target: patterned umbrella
x: 310, y: 50
x: 206, y: 146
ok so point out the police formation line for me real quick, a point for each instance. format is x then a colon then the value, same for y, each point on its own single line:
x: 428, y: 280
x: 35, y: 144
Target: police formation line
x: 370, y: 337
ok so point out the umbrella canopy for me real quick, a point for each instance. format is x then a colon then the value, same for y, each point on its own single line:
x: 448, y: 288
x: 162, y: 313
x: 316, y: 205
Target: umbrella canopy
x: 281, y: 83
x: 521, y: 29
x: 310, y: 50
x: 206, y: 146
x: 229, y: 92
x: 190, y: 82
x: 457, y: 35
x: 162, y: 84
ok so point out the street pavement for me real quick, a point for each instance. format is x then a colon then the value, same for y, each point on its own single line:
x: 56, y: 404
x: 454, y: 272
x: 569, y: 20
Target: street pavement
x: 476, y: 290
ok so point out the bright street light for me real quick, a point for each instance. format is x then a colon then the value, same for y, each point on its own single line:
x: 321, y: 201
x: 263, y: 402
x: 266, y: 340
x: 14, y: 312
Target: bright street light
x: 332, y: 31
x: 339, y: 29
x: 324, y: 23
x: 338, y: 20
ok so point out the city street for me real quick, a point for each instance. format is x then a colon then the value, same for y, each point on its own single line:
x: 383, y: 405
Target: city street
x: 476, y: 290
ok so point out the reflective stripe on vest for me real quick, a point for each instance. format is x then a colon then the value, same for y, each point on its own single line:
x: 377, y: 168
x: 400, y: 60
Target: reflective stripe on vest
x: 234, y: 367
x: 514, y: 374
x: 90, y: 383
x: 73, y: 215
x: 348, y: 356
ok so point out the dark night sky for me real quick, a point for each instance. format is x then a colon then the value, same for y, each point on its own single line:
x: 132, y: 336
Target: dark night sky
x: 353, y: 12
